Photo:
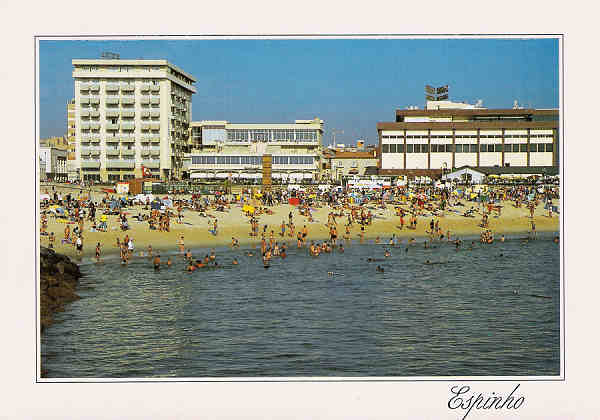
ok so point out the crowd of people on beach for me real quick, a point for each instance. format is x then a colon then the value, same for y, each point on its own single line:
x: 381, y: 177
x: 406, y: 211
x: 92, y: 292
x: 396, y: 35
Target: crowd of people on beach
x: 355, y: 209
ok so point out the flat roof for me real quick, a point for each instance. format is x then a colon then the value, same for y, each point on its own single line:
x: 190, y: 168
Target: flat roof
x: 474, y: 112
x: 466, y: 125
x: 131, y: 63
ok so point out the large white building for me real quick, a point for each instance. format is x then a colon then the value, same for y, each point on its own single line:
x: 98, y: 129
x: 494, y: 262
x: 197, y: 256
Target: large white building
x: 129, y: 114
x: 222, y: 150
x: 425, y: 141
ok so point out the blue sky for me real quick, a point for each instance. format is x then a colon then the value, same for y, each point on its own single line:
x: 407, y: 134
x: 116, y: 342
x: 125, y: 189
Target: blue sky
x: 349, y: 83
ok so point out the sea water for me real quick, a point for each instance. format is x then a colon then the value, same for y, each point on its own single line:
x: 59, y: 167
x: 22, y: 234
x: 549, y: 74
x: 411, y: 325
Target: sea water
x: 493, y: 310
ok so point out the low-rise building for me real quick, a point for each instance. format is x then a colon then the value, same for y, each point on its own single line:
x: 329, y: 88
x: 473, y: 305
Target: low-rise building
x: 448, y: 136
x: 53, y: 164
x: 340, y: 164
x: 226, y: 150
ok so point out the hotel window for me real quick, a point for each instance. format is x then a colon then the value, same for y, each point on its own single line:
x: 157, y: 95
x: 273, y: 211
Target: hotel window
x: 409, y: 148
x: 392, y: 148
x: 400, y: 148
x: 459, y: 148
x: 385, y: 148
x: 533, y: 147
x: 549, y: 147
x: 417, y: 148
x: 523, y: 147
x: 498, y: 147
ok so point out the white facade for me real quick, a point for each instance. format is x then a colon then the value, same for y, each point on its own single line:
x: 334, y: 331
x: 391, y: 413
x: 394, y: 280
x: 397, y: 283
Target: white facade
x: 52, y: 163
x: 129, y: 114
x: 431, y: 149
x: 223, y: 149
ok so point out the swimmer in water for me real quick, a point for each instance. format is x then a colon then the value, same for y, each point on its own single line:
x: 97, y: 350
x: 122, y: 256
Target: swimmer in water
x: 191, y: 267
x: 169, y: 262
x: 387, y: 253
x: 157, y: 262
x: 234, y: 262
x: 502, y: 238
x: 556, y: 239
x: 341, y: 248
x: 380, y: 269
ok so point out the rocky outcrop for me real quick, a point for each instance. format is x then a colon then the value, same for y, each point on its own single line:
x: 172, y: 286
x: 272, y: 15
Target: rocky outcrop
x: 58, y: 280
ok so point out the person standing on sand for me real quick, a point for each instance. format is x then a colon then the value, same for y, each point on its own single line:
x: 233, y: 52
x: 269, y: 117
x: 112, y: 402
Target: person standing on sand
x: 79, y: 245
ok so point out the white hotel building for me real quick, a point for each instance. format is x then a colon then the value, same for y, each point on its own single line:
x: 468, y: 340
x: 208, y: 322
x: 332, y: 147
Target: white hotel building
x: 425, y: 141
x: 129, y: 114
x: 222, y: 149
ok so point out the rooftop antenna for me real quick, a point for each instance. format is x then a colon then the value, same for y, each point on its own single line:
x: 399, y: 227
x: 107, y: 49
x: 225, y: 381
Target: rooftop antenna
x: 333, y: 133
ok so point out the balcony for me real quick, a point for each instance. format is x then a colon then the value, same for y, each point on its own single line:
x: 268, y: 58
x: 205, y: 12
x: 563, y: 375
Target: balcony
x: 112, y: 151
x: 128, y: 114
x: 155, y: 150
x: 111, y: 126
x: 84, y: 87
x: 125, y: 163
x: 112, y: 100
x: 90, y: 164
x: 145, y: 100
x: 95, y: 126
x: 152, y: 164
x: 155, y: 138
x: 84, y: 125
x: 95, y: 100
x: 155, y: 113
x: 155, y: 100
x: 94, y: 113
x: 145, y: 114
x: 155, y: 88
x: 146, y: 125
x: 84, y: 99
x: 146, y: 152
x: 127, y: 100
x: 112, y: 87
x: 126, y: 87
x: 127, y: 139
x: 112, y: 114
x: 128, y: 152
x: 145, y: 87
x: 94, y: 87
x: 155, y: 126
x: 85, y: 113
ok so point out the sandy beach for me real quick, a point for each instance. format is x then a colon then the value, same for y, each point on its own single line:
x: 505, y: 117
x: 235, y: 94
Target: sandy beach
x: 234, y: 223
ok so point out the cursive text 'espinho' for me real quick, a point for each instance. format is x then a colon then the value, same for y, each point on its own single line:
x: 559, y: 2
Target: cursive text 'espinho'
x: 463, y: 399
